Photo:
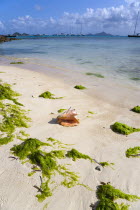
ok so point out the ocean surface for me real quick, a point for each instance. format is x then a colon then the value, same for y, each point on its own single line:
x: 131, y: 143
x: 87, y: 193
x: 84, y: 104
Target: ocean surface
x: 113, y: 57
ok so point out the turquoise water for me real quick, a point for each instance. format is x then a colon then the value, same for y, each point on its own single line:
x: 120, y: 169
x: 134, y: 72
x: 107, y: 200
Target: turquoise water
x: 116, y: 57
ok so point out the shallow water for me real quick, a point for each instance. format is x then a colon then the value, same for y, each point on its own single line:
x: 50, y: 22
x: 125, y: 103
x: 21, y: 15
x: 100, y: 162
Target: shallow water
x: 116, y: 57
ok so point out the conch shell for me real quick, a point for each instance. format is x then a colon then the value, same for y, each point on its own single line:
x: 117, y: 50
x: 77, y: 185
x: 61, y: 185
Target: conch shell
x: 68, y: 118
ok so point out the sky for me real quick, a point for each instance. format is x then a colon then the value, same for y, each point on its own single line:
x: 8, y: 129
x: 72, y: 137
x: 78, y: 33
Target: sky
x: 69, y: 16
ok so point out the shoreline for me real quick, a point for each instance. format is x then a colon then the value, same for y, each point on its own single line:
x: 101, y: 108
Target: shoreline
x: 103, y: 89
x: 93, y: 137
x: 54, y: 68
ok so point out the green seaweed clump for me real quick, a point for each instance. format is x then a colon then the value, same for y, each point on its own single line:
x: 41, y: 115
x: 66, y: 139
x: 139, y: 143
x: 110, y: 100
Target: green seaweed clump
x: 123, y: 128
x: 22, y: 134
x: 13, y: 117
x: 49, y: 167
x: 7, y: 93
x: 6, y: 140
x: 27, y: 147
x: 104, y: 164
x: 133, y: 152
x: 106, y: 204
x: 79, y: 87
x: 47, y: 163
x: 135, y: 78
x: 19, y: 62
x: 61, y: 110
x: 136, y: 109
x: 95, y: 74
x: 75, y: 154
x: 107, y: 194
x: 90, y: 112
x: 58, y: 144
x: 49, y: 95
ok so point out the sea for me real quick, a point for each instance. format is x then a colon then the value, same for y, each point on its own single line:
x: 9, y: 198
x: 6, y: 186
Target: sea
x: 116, y: 58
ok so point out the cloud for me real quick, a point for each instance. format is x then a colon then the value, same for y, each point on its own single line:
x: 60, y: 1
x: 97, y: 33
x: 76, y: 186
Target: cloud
x: 1, y: 25
x: 114, y: 20
x: 132, y: 1
x: 2, y: 28
x: 38, y: 7
x: 52, y: 20
x: 133, y: 4
x: 28, y: 24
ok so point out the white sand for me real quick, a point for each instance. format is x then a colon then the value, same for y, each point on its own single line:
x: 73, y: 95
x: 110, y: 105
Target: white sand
x: 93, y: 137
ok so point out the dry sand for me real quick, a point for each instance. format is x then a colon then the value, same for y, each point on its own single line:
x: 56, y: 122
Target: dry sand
x: 93, y: 137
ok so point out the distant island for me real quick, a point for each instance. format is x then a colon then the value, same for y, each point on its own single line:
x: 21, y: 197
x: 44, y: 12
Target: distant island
x: 103, y: 34
x: 17, y: 34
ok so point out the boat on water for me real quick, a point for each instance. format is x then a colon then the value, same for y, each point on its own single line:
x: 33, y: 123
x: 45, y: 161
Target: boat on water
x: 137, y: 35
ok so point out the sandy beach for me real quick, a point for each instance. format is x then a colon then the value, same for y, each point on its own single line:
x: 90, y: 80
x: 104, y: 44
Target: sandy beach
x: 92, y: 136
